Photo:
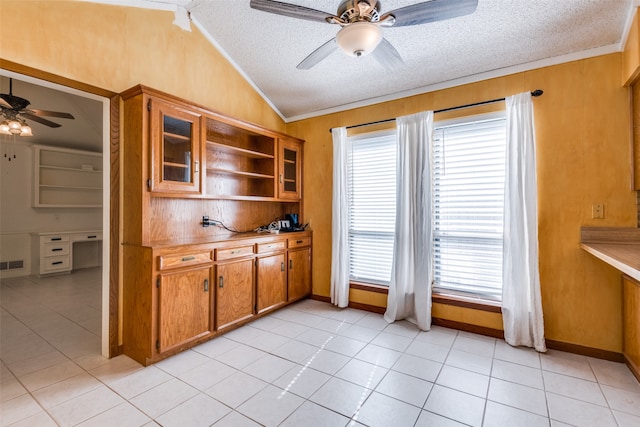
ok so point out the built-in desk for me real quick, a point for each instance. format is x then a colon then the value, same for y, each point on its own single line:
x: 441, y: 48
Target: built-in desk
x: 620, y: 248
x: 52, y: 252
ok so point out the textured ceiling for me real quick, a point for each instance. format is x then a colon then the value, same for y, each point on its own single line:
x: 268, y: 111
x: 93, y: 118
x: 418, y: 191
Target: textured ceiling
x: 501, y: 36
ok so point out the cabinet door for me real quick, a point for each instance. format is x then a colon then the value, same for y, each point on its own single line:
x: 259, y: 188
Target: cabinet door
x: 299, y: 273
x: 184, y: 307
x: 175, y: 154
x: 234, y: 292
x: 631, y: 315
x: 290, y: 170
x: 272, y: 282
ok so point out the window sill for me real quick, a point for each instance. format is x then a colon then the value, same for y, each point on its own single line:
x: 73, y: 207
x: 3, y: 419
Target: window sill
x: 445, y: 299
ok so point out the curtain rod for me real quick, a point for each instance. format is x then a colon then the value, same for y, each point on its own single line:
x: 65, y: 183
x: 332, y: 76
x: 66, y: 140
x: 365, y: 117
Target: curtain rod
x: 535, y: 93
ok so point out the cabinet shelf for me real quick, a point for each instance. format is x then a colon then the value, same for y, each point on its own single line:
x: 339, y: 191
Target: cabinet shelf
x: 239, y: 173
x: 66, y: 178
x: 176, y: 165
x: 230, y: 149
x: 68, y: 187
x: 70, y: 169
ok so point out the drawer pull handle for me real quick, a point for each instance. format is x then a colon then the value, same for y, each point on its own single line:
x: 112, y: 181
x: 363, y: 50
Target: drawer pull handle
x: 290, y: 264
x: 221, y: 282
x: 91, y: 237
x: 206, y: 285
x: 188, y: 258
x: 56, y: 263
x: 282, y: 266
x: 56, y: 249
x: 298, y: 241
x: 56, y: 239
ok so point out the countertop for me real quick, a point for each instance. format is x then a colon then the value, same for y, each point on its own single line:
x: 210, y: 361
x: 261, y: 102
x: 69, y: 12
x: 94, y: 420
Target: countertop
x: 618, y: 247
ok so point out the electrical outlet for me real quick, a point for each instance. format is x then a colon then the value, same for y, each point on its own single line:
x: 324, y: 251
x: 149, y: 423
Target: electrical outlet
x: 597, y: 211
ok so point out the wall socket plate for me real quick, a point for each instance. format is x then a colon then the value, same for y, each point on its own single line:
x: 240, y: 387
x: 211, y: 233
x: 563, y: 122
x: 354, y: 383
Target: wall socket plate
x: 597, y: 211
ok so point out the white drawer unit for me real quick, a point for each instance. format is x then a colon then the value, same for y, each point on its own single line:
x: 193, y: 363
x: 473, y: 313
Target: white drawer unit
x: 53, y: 252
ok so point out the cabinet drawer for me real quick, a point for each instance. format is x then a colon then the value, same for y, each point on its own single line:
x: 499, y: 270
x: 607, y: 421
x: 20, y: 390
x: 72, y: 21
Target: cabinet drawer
x: 271, y: 246
x: 55, y: 249
x: 236, y: 252
x: 58, y: 263
x: 54, y: 238
x: 85, y: 237
x: 183, y: 260
x: 299, y: 242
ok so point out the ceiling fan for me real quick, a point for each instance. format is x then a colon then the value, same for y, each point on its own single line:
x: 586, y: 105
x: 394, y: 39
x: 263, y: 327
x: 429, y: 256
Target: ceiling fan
x: 14, y: 111
x: 361, y: 21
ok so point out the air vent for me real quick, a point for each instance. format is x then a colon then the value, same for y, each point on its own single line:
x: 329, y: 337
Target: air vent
x: 11, y: 265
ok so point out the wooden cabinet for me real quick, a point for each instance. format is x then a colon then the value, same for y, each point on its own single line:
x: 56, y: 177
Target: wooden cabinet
x: 299, y: 276
x: 631, y: 324
x: 184, y: 306
x: 178, y: 296
x: 175, y: 151
x: 289, y: 169
x: 271, y: 282
x: 66, y: 178
x: 234, y: 289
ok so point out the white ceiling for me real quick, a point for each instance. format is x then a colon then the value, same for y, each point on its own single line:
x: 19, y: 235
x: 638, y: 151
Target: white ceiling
x: 501, y: 37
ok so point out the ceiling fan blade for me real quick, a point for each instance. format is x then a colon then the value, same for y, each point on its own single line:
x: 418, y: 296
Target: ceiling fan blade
x: 59, y: 114
x: 318, y: 55
x: 40, y: 120
x: 429, y: 11
x: 5, y: 104
x: 387, y: 55
x: 291, y: 10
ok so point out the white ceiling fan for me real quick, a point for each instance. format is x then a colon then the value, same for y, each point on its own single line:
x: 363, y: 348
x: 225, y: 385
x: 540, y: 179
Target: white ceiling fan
x: 361, y: 21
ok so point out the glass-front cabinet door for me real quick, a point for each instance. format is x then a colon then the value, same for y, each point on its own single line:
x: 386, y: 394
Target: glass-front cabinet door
x: 290, y: 169
x: 175, y: 157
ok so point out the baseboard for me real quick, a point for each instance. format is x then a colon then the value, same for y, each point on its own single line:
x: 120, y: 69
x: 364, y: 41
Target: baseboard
x: 635, y: 369
x: 356, y: 305
x: 585, y: 351
x: 466, y: 327
x: 497, y: 333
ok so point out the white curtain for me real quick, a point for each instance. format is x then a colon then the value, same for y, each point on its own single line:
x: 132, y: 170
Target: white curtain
x: 521, y: 299
x: 340, y: 219
x: 411, y: 273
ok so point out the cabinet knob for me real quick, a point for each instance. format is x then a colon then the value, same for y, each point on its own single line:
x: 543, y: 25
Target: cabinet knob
x: 281, y: 179
x: 282, y: 266
x: 197, y: 167
x: 206, y: 285
x: 221, y: 282
x: 290, y: 264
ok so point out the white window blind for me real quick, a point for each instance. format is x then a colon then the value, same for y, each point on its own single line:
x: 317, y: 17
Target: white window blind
x: 372, y: 207
x: 468, y: 194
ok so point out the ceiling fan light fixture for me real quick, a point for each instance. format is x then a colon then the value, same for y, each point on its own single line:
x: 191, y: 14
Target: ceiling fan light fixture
x: 4, y: 128
x: 359, y: 38
x: 25, y: 130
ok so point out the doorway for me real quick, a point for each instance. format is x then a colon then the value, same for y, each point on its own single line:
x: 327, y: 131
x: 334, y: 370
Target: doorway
x: 93, y: 114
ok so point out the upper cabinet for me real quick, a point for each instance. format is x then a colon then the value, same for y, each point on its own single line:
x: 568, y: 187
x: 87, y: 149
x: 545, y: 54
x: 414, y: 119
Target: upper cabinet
x: 193, y: 152
x: 175, y: 154
x: 289, y: 169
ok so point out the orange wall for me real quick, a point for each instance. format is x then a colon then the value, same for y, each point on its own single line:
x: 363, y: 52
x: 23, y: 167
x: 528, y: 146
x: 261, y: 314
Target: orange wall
x: 582, y: 127
x: 115, y: 48
x: 583, y: 134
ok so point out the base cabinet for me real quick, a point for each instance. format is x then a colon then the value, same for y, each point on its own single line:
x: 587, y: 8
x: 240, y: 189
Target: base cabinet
x: 176, y: 297
x: 631, y: 316
x: 234, y: 288
x: 299, y: 273
x: 184, y: 307
x: 271, y: 282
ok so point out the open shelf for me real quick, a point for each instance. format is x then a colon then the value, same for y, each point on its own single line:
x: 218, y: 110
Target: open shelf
x: 239, y: 173
x: 222, y: 148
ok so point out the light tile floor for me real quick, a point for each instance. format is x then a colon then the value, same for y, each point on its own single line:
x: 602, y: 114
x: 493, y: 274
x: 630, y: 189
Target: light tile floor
x: 309, y: 364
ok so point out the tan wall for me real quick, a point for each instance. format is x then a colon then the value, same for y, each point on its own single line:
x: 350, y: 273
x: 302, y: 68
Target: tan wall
x: 583, y: 131
x: 115, y: 48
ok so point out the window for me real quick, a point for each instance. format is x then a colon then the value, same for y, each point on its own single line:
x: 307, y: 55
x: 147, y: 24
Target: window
x: 468, y: 197
x: 468, y: 204
x: 372, y: 206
